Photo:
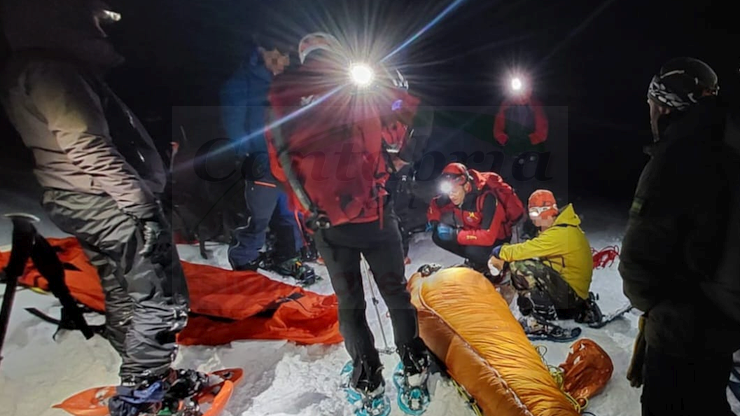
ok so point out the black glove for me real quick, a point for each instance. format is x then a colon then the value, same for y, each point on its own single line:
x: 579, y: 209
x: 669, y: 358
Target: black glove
x: 152, y: 229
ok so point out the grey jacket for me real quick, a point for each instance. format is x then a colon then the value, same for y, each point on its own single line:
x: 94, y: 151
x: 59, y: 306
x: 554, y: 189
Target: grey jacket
x: 83, y: 137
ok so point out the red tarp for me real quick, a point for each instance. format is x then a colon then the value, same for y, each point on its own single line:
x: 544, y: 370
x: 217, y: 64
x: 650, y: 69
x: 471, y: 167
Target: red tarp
x: 225, y: 305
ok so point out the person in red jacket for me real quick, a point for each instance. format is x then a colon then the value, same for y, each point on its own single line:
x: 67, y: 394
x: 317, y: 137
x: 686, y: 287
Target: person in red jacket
x: 468, y: 219
x: 521, y: 123
x: 326, y: 149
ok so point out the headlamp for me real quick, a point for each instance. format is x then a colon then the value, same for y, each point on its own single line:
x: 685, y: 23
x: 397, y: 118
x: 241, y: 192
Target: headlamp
x: 516, y: 84
x: 361, y: 75
x: 446, y: 187
x: 108, y: 16
x: 537, y: 211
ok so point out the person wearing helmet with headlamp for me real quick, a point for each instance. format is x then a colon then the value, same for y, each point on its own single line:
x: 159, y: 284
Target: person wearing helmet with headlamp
x: 327, y: 149
x: 552, y: 272
x: 470, y: 217
x: 679, y: 261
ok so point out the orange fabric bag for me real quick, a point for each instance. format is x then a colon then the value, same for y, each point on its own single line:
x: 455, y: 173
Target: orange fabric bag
x: 586, y: 370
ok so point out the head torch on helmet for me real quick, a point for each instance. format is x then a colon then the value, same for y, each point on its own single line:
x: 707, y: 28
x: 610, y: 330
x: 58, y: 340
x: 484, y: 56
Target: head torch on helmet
x: 449, y: 181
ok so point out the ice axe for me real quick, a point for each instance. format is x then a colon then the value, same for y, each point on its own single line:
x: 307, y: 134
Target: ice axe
x: 28, y: 243
x: 23, y: 235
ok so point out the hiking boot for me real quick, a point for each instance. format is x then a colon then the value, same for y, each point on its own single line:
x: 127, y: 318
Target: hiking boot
x: 590, y: 313
x: 415, y: 359
x: 296, y: 269
x: 140, y: 395
x: 410, y: 378
x: 545, y: 312
x: 251, y: 266
x: 185, y: 383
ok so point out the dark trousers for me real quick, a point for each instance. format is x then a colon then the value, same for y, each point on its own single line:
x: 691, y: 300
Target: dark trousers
x: 146, y: 298
x: 341, y: 248
x: 478, y: 255
x: 677, y: 386
x: 267, y: 206
x: 546, y: 289
x: 399, y: 187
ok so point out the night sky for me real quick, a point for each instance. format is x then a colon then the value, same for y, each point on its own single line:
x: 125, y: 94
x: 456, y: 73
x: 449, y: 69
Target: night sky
x: 593, y: 57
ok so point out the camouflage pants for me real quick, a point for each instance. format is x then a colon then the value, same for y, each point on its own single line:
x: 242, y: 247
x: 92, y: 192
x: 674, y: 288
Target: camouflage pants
x: 542, y: 290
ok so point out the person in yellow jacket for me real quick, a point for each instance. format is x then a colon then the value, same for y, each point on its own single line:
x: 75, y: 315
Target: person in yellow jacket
x: 551, y: 272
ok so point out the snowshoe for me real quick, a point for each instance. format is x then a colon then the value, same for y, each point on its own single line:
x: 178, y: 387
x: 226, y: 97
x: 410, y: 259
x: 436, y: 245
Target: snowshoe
x: 374, y: 403
x: 207, y: 395
x: 605, y: 319
x: 413, y: 394
x: 538, y: 330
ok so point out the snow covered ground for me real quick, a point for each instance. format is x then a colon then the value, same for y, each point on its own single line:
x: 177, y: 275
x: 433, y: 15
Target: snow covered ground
x: 282, y: 378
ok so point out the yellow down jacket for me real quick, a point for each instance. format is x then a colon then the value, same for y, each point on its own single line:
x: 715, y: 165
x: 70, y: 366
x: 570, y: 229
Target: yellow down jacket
x: 563, y: 247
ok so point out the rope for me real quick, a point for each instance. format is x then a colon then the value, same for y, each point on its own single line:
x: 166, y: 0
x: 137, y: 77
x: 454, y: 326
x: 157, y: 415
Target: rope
x: 558, y: 375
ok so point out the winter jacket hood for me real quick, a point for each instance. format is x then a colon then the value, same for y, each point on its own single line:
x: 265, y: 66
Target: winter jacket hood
x: 564, y: 247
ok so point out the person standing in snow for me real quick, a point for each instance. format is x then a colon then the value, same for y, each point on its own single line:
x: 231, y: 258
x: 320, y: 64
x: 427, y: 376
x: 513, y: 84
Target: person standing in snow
x: 679, y: 260
x: 244, y: 109
x: 328, y: 153
x: 469, y: 218
x: 551, y: 272
x: 102, y: 180
x: 521, y: 123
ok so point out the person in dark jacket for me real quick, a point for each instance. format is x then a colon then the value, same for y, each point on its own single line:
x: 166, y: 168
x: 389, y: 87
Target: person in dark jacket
x: 244, y: 104
x: 102, y: 180
x: 678, y: 263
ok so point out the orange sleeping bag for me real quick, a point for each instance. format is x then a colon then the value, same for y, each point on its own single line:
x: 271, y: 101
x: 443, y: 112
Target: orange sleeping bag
x: 468, y: 325
x: 225, y: 305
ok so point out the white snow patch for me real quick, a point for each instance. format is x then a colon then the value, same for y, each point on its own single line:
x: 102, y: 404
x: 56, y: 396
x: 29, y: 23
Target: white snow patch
x: 282, y: 378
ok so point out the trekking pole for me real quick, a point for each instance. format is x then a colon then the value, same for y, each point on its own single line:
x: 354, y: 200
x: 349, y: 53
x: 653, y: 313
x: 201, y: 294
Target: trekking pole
x: 23, y: 235
x: 366, y: 272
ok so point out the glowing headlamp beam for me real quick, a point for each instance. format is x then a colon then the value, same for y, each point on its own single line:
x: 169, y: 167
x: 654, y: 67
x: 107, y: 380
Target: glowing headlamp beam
x: 112, y: 16
x: 516, y: 84
x: 361, y: 74
x: 426, y: 27
x: 445, y: 187
x: 272, y: 125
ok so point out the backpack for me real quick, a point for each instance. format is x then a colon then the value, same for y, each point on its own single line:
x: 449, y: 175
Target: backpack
x: 333, y: 164
x: 327, y: 146
x: 505, y: 195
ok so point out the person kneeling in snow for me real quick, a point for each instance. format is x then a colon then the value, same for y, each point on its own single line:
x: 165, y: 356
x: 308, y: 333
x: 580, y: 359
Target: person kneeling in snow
x: 551, y: 272
x: 475, y: 213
